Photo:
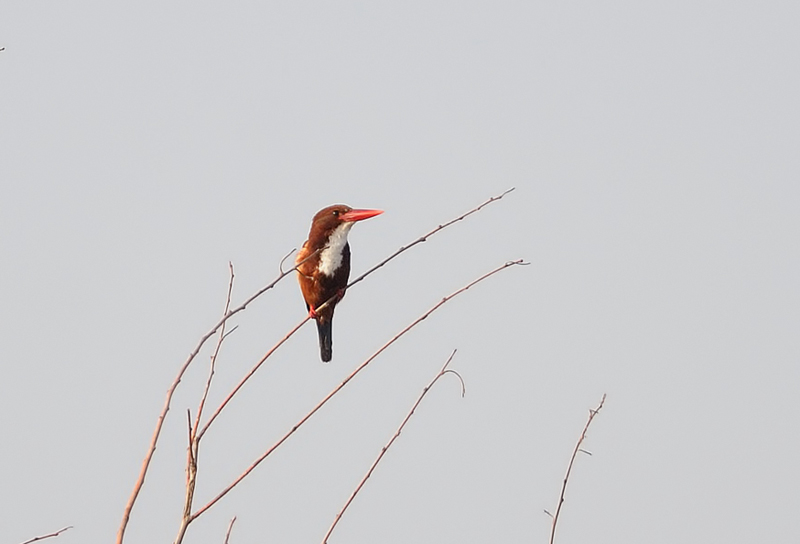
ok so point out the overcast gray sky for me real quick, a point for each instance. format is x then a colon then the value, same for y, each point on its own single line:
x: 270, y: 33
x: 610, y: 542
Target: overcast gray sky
x: 654, y: 148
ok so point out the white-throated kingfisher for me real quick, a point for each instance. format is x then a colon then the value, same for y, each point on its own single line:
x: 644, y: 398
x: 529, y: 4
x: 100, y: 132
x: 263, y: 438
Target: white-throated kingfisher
x: 324, y: 266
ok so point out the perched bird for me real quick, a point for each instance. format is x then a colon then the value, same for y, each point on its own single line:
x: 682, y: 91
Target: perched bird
x: 324, y: 266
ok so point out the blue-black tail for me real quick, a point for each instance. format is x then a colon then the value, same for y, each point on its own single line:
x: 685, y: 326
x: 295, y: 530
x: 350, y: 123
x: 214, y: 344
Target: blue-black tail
x: 325, y: 330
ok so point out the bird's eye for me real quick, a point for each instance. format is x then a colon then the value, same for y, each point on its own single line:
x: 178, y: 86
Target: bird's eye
x: 336, y: 213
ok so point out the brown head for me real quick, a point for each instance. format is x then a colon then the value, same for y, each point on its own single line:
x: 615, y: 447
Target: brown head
x: 327, y: 220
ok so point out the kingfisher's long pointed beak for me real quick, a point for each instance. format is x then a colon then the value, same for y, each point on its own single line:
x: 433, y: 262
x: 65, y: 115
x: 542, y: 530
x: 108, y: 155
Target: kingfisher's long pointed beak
x: 359, y: 215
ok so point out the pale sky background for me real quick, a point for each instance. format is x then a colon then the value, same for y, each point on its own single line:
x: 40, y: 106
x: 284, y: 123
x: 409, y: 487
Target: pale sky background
x: 654, y: 148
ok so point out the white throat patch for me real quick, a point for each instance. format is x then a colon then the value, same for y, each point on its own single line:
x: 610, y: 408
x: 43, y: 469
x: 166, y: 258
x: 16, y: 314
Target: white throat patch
x: 331, y: 257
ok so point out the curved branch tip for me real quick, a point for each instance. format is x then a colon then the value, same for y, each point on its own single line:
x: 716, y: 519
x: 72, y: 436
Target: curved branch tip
x: 280, y: 266
x: 460, y: 378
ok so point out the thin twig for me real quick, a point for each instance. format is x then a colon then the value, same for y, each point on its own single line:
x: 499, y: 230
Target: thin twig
x: 51, y: 535
x: 330, y: 395
x: 171, y: 391
x: 592, y: 413
x: 399, y: 430
x: 189, y: 420
x: 191, y: 479
x: 230, y: 526
x: 419, y: 240
x: 220, y: 339
x: 280, y: 265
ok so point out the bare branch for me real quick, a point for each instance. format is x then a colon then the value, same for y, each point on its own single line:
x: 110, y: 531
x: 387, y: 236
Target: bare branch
x: 347, y: 380
x: 230, y: 526
x: 592, y: 413
x: 444, y: 370
x: 51, y: 535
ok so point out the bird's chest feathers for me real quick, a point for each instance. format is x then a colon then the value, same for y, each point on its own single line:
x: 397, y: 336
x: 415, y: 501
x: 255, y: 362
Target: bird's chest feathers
x: 330, y: 258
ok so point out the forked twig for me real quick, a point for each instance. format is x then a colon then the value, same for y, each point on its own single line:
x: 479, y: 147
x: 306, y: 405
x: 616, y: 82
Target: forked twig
x: 399, y: 430
x: 330, y: 395
x: 51, y: 535
x: 419, y: 240
x: 592, y: 413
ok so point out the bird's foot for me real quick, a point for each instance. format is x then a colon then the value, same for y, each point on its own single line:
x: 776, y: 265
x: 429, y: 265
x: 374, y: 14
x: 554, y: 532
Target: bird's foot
x: 312, y: 313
